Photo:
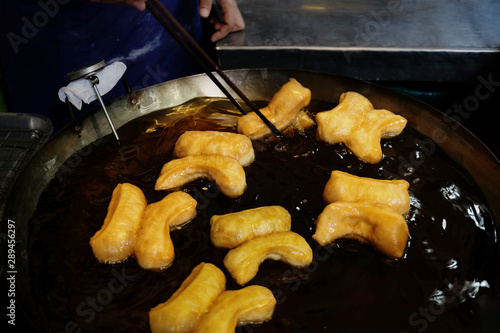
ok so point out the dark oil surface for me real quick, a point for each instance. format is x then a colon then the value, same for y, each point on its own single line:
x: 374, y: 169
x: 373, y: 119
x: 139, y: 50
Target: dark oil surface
x: 448, y: 272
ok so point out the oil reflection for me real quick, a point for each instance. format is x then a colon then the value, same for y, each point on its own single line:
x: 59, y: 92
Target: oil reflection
x: 457, y: 292
x: 474, y: 211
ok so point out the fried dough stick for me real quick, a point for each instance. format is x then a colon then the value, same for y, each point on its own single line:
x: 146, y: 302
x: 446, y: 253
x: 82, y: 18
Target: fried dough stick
x: 243, y: 261
x: 153, y: 246
x: 356, y: 123
x: 250, y: 305
x: 343, y: 186
x: 195, y: 296
x: 282, y: 111
x: 227, y: 173
x: 380, y: 226
x: 237, y: 146
x: 114, y: 242
x: 230, y: 230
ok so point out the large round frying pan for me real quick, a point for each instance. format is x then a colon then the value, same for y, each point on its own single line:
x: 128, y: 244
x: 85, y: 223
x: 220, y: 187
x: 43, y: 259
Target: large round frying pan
x: 444, y: 137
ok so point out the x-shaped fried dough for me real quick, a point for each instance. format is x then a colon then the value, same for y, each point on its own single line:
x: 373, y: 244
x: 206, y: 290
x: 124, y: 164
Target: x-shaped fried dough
x: 357, y: 124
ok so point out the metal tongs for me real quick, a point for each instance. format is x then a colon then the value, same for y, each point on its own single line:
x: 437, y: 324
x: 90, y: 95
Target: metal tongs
x: 206, y: 63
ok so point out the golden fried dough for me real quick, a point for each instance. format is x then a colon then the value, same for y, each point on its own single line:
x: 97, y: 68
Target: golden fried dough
x: 359, y: 126
x: 377, y: 124
x: 114, y: 242
x: 234, y: 145
x: 282, y: 111
x: 227, y: 173
x: 346, y: 187
x: 243, y: 261
x: 303, y: 121
x: 336, y: 125
x: 249, y: 305
x: 153, y: 246
x: 230, y: 230
x: 197, y: 293
x: 381, y: 226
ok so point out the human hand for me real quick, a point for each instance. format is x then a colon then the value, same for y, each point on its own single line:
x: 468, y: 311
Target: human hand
x: 233, y: 20
x: 139, y: 4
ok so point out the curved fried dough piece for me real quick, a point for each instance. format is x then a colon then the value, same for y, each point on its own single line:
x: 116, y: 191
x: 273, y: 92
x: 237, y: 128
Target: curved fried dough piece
x: 237, y: 146
x: 359, y: 126
x: 250, y: 305
x: 243, y: 261
x: 230, y: 230
x: 381, y: 226
x: 197, y: 293
x: 227, y: 173
x: 281, y: 111
x: 114, y: 242
x: 153, y: 246
x: 346, y: 187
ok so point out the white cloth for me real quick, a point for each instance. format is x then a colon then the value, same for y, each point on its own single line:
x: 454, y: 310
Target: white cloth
x: 82, y: 90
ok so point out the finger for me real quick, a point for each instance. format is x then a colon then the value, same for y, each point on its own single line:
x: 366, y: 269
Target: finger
x: 221, y: 33
x: 139, y: 4
x: 205, y: 8
x: 217, y: 25
x: 236, y: 21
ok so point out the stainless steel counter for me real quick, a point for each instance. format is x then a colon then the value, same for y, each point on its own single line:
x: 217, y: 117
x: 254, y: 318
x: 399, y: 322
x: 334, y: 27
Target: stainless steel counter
x: 392, y: 40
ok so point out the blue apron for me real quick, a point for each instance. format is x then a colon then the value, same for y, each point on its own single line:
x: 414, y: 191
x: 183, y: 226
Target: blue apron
x: 43, y: 40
